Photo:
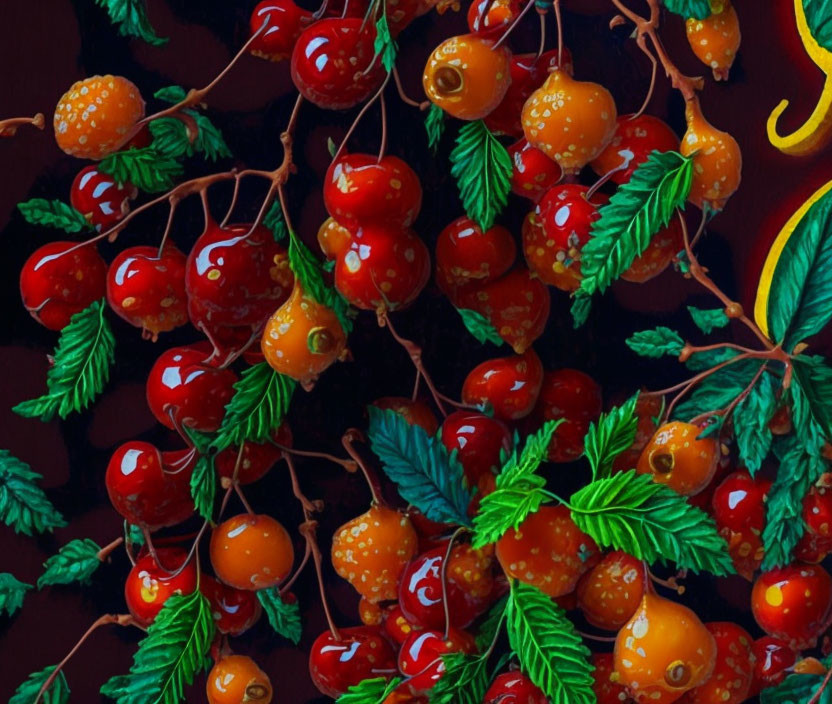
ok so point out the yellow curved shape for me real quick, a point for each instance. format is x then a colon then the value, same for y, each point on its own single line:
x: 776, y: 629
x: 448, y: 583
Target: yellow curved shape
x: 773, y: 257
x: 815, y: 132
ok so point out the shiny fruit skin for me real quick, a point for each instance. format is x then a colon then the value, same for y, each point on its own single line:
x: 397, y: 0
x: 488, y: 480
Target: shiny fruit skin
x: 663, y: 247
x: 605, y: 681
x: 480, y: 442
x: 589, y: 105
x: 383, y: 269
x: 609, y: 594
x: 372, y: 550
x: 234, y: 610
x: 97, y: 116
x: 414, y: 412
x: 257, y: 459
x: 772, y: 658
x: 717, y: 166
x: 143, y: 492
x: 514, y: 688
x: 634, y: 139
x: 303, y: 338
x: 420, y: 657
x: 467, y: 76
x: 396, y: 625
x: 663, y: 651
x: 320, y: 72
x: 370, y: 613
x: 792, y: 603
x: 101, y: 200
x: 509, y: 385
x: 183, y: 390
x: 532, y: 172
x: 648, y: 408
x: 361, y: 191
x: 251, y: 551
x: 333, y: 238
x: 730, y: 681
x: 542, y: 259
x: 716, y: 39
x: 516, y: 305
x: 236, y: 679
x: 56, y: 286
x: 497, y: 15
x: 148, y: 289
x: 148, y: 586
x: 675, y: 457
x: 286, y: 22
x: 362, y: 653
x: 528, y: 553
x: 817, y: 515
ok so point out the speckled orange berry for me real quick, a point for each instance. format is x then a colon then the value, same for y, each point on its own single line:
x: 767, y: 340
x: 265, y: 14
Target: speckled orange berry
x: 370, y: 613
x: 610, y: 592
x: 333, y: 238
x: 730, y: 681
x: 716, y: 39
x: 236, y: 679
x: 674, y: 456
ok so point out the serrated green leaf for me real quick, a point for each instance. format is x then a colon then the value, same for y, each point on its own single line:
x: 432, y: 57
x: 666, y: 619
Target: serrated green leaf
x: 479, y: 326
x: 650, y: 521
x: 612, y: 434
x: 130, y: 16
x: 581, y: 306
x: 814, y: 382
x: 384, y: 45
x: 12, y: 592
x: 797, y: 689
x: 698, y: 9
x: 80, y: 369
x: 549, y: 649
x: 58, y: 692
x: 171, y: 94
x: 656, y: 343
x: 751, y: 418
x: 464, y: 681
x: 371, y: 691
x: 283, y: 616
x: 718, y: 390
x: 434, y: 126
x: 426, y: 475
x: 700, y: 361
x: 53, y: 213
x: 481, y: 166
x: 204, y: 486
x: 209, y: 140
x: 146, y: 168
x: 133, y: 534
x: 275, y: 222
x: 170, y: 137
x: 75, y: 562
x: 708, y: 320
x: 23, y: 505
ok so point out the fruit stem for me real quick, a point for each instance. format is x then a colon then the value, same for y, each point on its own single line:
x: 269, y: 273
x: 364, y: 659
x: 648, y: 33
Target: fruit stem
x: 286, y: 587
x: 105, y: 552
x: 511, y: 27
x: 358, y: 117
x: 559, y: 24
x: 235, y: 193
x: 349, y: 465
x: 307, y: 530
x: 347, y: 439
x: 239, y: 491
x: 444, y: 580
x: 383, y: 147
x: 307, y: 504
x: 542, y: 45
x: 599, y: 639
x: 9, y: 126
x: 405, y: 98
x: 670, y: 583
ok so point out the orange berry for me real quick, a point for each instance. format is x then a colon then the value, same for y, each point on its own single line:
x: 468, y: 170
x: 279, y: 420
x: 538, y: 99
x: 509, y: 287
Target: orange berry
x: 236, y: 679
x: 663, y: 651
x: 717, y: 166
x: 674, y: 456
x: 647, y: 409
x: 370, y: 613
x: 610, y: 592
x: 570, y: 121
x: 467, y: 77
x: 547, y: 551
x: 664, y: 245
x: 251, y: 551
x: 414, y: 412
x: 715, y: 39
x: 303, y: 338
x: 333, y: 238
x: 730, y: 681
x: 97, y: 116
x: 372, y: 550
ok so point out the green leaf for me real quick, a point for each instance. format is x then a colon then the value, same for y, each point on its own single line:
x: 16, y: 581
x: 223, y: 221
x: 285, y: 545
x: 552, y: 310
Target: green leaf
x: 549, y: 649
x: 426, y: 475
x: 796, y: 689
x: 209, y: 140
x: 638, y: 210
x: 384, y: 44
x: 482, y: 169
x: 58, y: 692
x: 258, y: 407
x: 75, y: 562
x: 650, y: 521
x: 23, y: 505
x: 700, y: 361
x: 114, y: 686
x: 656, y: 343
x: 170, y: 138
x: 283, y: 616
x: 12, y: 592
x: 708, y: 320
x: 751, y: 418
x: 581, y: 306
x: 146, y: 168
x: 434, y: 126
x: 372, y: 691
x: 464, y: 681
x: 819, y: 18
x: 80, y: 367
x: 204, y: 486
x: 133, y: 534
x: 131, y: 18
x: 53, y: 213
x: 612, y: 434
x: 814, y: 384
x: 699, y: 9
x: 480, y: 327
x: 171, y: 94
x: 173, y: 652
x: 519, y: 490
x: 275, y: 222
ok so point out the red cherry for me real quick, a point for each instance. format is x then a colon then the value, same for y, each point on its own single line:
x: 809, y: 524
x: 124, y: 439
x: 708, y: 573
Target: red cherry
x: 382, y: 269
x: 55, y: 286
x: 532, y: 172
x: 361, y: 653
x: 99, y: 198
x: 480, y: 442
x: 632, y: 143
x: 397, y: 626
x: 611, y: 591
x: 663, y: 247
x: 236, y: 279
x: 739, y: 501
x: 257, y: 458
x: 491, y: 16
x: 514, y: 688
x: 333, y: 64
x: 414, y: 412
x: 509, y: 385
x: 772, y: 658
x: 346, y: 8
x: 141, y: 489
x: 149, y: 585
x: 234, y: 610
x: 567, y: 216
x: 285, y: 23
x: 817, y: 514
x: 420, y: 657
x: 361, y: 190
x: 730, y: 680
x: 148, y: 289
x: 606, y: 688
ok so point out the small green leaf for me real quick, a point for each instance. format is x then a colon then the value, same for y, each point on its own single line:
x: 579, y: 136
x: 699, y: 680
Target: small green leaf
x: 23, y: 505
x: 581, y: 306
x: 171, y: 94
x: 698, y: 9
x: 58, y: 692
x: 53, y: 213
x: 434, y: 125
x: 275, y: 222
x: 384, y: 44
x: 656, y: 343
x: 204, y: 486
x: 170, y: 137
x: 372, y: 691
x: 708, y: 320
x: 464, y: 681
x: 75, y: 562
x: 814, y: 384
x: 12, y: 592
x: 283, y: 615
x: 130, y: 16
x: 209, y: 140
x: 331, y: 147
x: 479, y: 326
x: 751, y: 418
x: 612, y: 434
x: 798, y: 689
x: 146, y: 168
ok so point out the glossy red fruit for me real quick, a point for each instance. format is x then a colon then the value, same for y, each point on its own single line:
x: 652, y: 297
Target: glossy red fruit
x: 234, y: 610
x: 361, y: 653
x: 333, y: 63
x: 605, y: 683
x: 509, y: 385
x: 610, y: 592
x: 414, y: 412
x: 532, y: 172
x: 383, y: 269
x: 420, y: 657
x: 142, y: 489
x: 817, y: 514
x: 632, y: 143
x: 285, y: 23
x: 362, y: 191
x: 99, y: 198
x: 792, y: 603
x: 480, y: 441
x: 55, y: 286
x: 491, y: 16
x: 396, y: 625
x: 730, y: 680
x: 149, y: 584
x: 147, y: 289
x: 257, y: 458
x: 234, y: 278
x: 772, y: 659
x: 663, y: 247
x: 514, y: 688
x: 648, y: 409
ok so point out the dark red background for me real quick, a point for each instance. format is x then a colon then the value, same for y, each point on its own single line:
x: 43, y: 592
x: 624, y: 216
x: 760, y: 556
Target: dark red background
x: 48, y: 44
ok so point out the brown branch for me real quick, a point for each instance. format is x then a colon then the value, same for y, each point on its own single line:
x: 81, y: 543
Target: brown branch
x: 9, y: 127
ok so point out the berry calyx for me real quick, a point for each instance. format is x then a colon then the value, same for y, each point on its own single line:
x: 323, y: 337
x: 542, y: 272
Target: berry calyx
x: 678, y: 457
x: 99, y: 198
x: 285, y: 23
x: 716, y: 39
x: 508, y: 385
x: 236, y: 679
x: 149, y: 584
x: 772, y: 660
x: 610, y: 593
x: 360, y: 653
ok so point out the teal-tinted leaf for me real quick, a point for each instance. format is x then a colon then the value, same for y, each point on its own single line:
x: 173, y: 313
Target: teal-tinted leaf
x: 204, y: 486
x: 23, y: 505
x: 384, y: 45
x: 581, y: 306
x: 171, y: 94
x: 434, y: 125
x: 656, y: 343
x: 275, y: 221
x: 12, y: 592
x: 819, y: 18
x: 718, y: 390
x: 479, y: 326
x: 146, y: 168
x: 58, y: 692
x: 700, y: 9
x: 130, y: 16
x: 751, y: 418
x: 708, y: 320
x: 53, y: 213
x: 75, y: 562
